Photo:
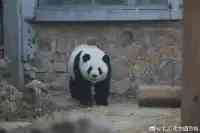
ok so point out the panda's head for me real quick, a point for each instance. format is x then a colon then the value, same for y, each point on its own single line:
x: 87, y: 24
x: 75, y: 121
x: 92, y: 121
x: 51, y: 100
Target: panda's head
x: 94, y: 64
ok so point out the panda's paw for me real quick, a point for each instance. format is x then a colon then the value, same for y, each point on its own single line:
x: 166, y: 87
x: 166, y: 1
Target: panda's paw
x: 86, y: 103
x: 104, y: 103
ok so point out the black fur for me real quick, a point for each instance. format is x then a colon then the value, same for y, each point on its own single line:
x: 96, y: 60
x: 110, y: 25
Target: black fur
x: 80, y: 88
x: 86, y: 57
x: 2, y: 130
x: 89, y: 70
x: 100, y: 71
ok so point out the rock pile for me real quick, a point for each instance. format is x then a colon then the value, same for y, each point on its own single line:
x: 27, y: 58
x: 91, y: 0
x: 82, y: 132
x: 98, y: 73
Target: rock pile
x: 9, y: 99
x: 30, y: 102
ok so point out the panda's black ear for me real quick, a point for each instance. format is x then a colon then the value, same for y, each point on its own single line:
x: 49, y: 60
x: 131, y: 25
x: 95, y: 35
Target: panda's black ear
x: 106, y: 59
x: 86, y: 57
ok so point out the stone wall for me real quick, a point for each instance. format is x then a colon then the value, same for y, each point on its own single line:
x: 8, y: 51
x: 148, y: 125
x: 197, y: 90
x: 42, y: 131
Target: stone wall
x: 146, y: 52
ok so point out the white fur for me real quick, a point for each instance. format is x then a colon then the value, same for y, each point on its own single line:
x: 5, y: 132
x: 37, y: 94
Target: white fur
x: 95, y: 61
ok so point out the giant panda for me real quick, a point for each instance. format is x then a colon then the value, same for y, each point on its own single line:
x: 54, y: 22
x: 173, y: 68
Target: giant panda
x: 90, y: 71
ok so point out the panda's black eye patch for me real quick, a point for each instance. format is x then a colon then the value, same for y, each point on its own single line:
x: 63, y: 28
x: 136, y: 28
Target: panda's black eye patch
x: 100, y: 71
x: 89, y: 70
x: 86, y: 57
x: 106, y: 59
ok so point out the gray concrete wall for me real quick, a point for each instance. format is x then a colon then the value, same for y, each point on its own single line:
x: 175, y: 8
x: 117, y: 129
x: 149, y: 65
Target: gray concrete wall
x: 146, y: 52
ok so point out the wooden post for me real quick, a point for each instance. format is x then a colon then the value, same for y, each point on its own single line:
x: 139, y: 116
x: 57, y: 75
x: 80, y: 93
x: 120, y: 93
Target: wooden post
x: 191, y: 91
x: 13, y: 40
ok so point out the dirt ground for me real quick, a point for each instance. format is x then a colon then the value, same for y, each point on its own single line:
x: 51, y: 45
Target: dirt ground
x: 126, y: 115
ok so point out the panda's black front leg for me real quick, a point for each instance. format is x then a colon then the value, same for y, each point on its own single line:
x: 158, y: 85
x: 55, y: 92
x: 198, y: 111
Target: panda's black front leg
x: 74, y: 91
x: 102, y: 92
x: 81, y: 90
x: 85, y: 93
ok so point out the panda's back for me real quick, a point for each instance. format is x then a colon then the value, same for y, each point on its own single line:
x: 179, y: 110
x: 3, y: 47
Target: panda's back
x: 75, y: 52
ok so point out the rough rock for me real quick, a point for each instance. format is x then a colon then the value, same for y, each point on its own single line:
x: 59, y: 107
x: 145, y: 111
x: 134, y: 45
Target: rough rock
x: 29, y: 75
x: 119, y: 69
x: 3, y: 64
x: 37, y: 100
x: 27, y: 67
x: 4, y: 71
x: 35, y: 91
x: 9, y: 92
x: 59, y: 84
x: 121, y: 87
x: 12, y: 125
x: 37, y: 84
x: 60, y: 67
x: 30, y: 72
x: 9, y: 99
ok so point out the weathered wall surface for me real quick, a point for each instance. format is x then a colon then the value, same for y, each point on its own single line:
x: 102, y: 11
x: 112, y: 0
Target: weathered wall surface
x: 149, y: 52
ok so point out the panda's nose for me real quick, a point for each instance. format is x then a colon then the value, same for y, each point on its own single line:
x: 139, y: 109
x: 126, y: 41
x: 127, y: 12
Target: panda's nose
x: 94, y: 75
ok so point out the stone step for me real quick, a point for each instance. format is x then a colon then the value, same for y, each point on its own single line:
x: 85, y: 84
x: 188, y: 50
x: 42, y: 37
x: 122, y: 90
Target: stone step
x: 159, y: 96
x: 13, y: 125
